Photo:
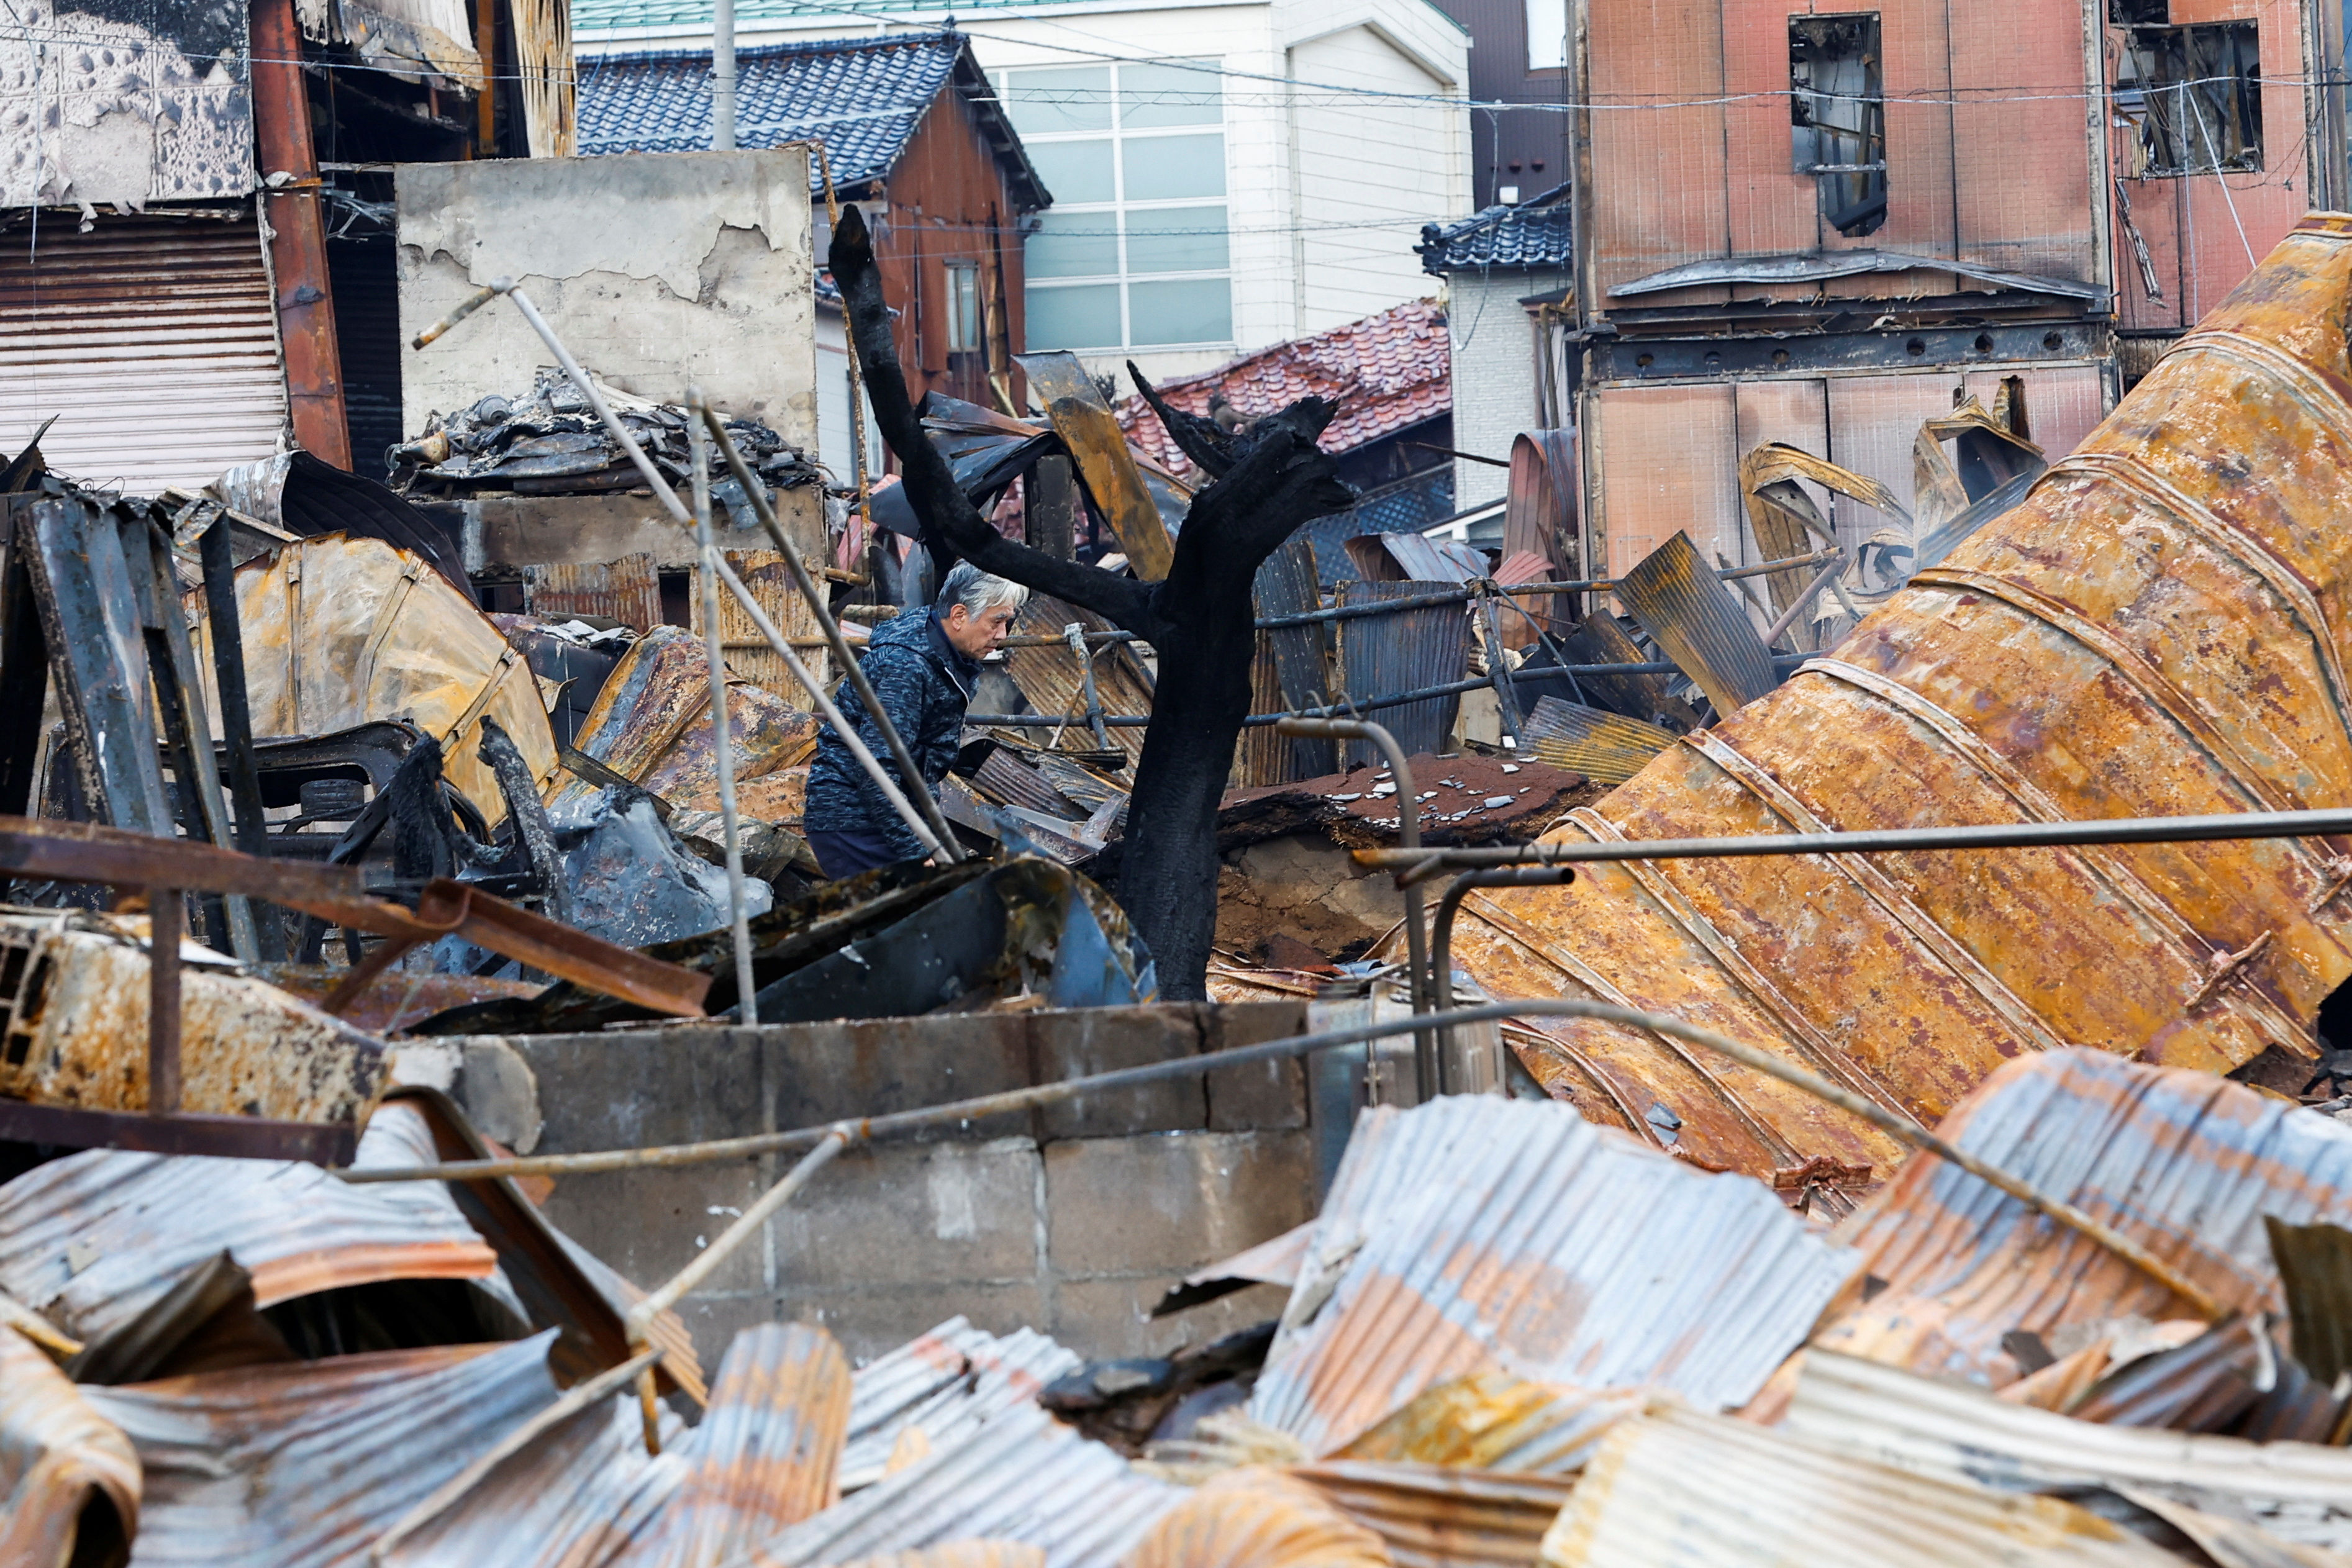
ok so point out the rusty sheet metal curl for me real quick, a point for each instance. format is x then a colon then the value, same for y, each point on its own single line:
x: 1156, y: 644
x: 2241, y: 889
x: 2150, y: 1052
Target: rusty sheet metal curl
x: 91, y: 1239
x: 1445, y: 1516
x: 1492, y: 1421
x: 1257, y: 1518
x: 307, y: 1462
x: 961, y: 1555
x: 2181, y: 1162
x: 2157, y: 630
x: 1472, y: 1233
x: 943, y: 1385
x: 70, y: 1484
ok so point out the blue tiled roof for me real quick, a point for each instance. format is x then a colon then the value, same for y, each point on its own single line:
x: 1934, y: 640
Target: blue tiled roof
x: 1533, y: 235
x: 862, y: 97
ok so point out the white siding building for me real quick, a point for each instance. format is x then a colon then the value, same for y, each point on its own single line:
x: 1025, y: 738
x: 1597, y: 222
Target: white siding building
x: 1225, y: 176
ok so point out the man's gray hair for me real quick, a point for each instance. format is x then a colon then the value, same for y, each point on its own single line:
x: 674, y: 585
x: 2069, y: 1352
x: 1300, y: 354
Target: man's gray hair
x: 977, y: 591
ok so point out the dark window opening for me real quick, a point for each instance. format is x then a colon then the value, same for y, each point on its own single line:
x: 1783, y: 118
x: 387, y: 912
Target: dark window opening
x: 1837, y: 107
x: 676, y: 596
x: 2140, y: 13
x: 2193, y: 96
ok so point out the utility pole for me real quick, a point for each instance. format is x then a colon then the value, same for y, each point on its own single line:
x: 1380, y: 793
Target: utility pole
x: 722, y: 76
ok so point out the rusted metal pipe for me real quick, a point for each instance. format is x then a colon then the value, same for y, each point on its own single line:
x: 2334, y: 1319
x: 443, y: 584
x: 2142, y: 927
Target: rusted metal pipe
x: 1424, y: 1043
x: 1788, y: 618
x: 1440, y: 946
x: 839, y: 1134
x: 948, y: 849
x: 1419, y: 864
x: 707, y: 560
x: 301, y: 293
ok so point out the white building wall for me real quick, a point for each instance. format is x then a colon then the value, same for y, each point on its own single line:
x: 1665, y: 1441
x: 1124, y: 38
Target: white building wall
x: 1497, y: 393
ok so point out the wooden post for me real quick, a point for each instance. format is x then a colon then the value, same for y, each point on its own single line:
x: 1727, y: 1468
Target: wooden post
x: 162, y: 1000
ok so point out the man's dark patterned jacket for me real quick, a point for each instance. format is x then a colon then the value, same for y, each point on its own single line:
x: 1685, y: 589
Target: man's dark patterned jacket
x: 925, y: 686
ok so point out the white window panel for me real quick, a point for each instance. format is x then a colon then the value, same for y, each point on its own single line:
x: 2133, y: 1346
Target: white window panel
x: 1164, y: 167
x: 1154, y: 95
x: 1181, y: 310
x: 1047, y: 102
x: 1084, y: 316
x: 1075, y: 171
x: 1546, y: 34
x: 1076, y: 244
x: 1176, y: 239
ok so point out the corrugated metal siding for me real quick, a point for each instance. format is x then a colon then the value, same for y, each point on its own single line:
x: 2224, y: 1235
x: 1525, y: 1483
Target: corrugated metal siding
x: 626, y: 590
x: 1381, y: 656
x: 151, y: 338
x: 748, y: 655
x: 365, y: 279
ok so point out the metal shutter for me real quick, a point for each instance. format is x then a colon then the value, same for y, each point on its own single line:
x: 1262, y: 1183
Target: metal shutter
x: 151, y: 338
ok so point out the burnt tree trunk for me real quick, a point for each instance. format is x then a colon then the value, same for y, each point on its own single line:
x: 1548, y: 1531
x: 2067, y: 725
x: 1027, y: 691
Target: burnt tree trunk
x: 1200, y: 620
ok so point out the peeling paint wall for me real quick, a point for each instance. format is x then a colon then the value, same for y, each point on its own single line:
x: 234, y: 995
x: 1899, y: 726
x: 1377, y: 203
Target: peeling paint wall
x: 659, y: 272
x: 124, y: 101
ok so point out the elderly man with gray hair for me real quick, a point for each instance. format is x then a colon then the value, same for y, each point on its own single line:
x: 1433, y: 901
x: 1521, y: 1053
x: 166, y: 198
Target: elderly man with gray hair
x: 922, y: 663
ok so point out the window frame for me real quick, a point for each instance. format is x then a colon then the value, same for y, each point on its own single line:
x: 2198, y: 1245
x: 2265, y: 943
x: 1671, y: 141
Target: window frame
x: 1116, y: 135
x: 1858, y: 186
x: 2138, y: 96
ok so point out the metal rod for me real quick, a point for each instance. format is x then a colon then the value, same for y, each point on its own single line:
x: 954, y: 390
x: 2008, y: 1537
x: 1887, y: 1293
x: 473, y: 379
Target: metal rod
x: 1416, y: 936
x: 947, y: 848
x: 1440, y: 946
x: 162, y: 1000
x: 1498, y: 672
x: 834, y: 1139
x: 251, y: 825
x: 707, y: 559
x: 722, y: 76
x: 1788, y: 618
x: 1076, y: 635
x: 1885, y: 841
x: 1177, y: 1068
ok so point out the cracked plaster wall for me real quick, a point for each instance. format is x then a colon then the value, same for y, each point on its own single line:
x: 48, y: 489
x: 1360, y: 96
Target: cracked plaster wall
x: 659, y: 272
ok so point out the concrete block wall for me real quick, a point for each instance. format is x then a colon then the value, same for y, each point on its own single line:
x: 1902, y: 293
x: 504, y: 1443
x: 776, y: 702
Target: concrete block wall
x: 1073, y: 1219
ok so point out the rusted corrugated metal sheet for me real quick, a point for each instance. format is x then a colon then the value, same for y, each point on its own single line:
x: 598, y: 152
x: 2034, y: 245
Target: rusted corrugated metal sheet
x: 1257, y: 1518
x: 1493, y: 1421
x: 626, y: 590
x: 309, y: 1462
x: 1383, y: 655
x: 91, y: 1239
x: 69, y: 1483
x: 652, y: 724
x: 749, y: 657
x: 1697, y: 624
x: 1601, y: 745
x: 73, y: 1012
x: 2183, y: 1163
x: 1473, y: 1233
x: 1445, y: 1516
x: 577, y: 1485
x: 341, y: 631
x: 1050, y: 678
x: 1022, y: 1476
x: 1679, y: 1487
x: 961, y: 1555
x: 2045, y: 672
x: 2301, y: 1491
x: 152, y: 342
x: 943, y: 1386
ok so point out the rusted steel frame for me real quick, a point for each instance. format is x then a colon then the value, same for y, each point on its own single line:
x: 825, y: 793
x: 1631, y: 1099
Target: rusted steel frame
x: 1075, y: 634
x: 91, y: 852
x: 852, y: 670
x: 251, y: 825
x: 1416, y: 934
x: 2124, y: 883
x: 301, y: 293
x: 715, y: 655
x: 1498, y: 667
x: 839, y: 1134
x: 1441, y: 942
x: 1883, y: 841
x: 940, y: 843
x: 641, y: 1316
x: 182, y: 1133
x: 162, y: 1000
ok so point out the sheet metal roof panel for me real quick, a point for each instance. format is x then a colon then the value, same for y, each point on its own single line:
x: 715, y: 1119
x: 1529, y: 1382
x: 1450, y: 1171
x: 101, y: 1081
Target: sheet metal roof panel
x: 1520, y: 1235
x: 58, y: 1457
x: 1445, y: 1516
x: 2184, y: 1162
x: 303, y: 1464
x: 1022, y: 1476
x: 949, y: 1383
x: 1678, y: 1487
x: 1939, y: 1429
x: 93, y: 1239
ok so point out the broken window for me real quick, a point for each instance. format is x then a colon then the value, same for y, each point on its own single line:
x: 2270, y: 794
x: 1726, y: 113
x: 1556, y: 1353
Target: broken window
x: 2191, y: 94
x: 1837, y: 107
x: 964, y: 326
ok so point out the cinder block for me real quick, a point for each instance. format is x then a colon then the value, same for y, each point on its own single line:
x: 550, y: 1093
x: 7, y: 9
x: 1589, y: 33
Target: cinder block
x: 873, y: 1321
x: 645, y: 1223
x: 870, y: 1067
x: 1272, y: 1095
x: 1105, y: 1319
x: 1164, y: 1204
x: 632, y: 1088
x: 913, y: 1214
x: 1085, y: 1041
